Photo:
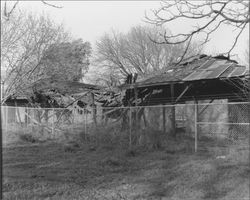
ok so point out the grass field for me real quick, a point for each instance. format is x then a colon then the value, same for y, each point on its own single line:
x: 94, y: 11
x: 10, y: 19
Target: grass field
x: 52, y: 170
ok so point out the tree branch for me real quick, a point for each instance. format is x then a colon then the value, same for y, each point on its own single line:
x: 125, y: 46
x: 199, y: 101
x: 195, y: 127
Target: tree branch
x: 232, y: 13
x: 49, y: 4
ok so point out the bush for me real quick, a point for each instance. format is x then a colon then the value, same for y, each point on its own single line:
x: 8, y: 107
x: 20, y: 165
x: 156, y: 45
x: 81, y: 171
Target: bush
x: 114, y: 162
x: 131, y: 152
x: 28, y: 138
x: 72, y: 146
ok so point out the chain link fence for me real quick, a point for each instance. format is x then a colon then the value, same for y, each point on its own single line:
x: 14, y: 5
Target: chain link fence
x: 202, y: 127
x: 224, y: 130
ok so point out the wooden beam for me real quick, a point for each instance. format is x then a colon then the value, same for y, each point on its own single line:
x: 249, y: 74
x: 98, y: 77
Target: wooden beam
x: 205, y: 107
x: 196, y: 118
x: 130, y: 128
x: 18, y: 114
x: 173, y: 110
x: 136, y: 104
x: 136, y: 95
x: 93, y: 107
x: 25, y: 117
x: 144, y: 119
x: 164, y: 118
x: 183, y: 92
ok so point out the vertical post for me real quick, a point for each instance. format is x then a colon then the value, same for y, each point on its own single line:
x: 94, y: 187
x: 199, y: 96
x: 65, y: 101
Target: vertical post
x: 85, y: 124
x: 2, y: 91
x: 16, y: 119
x: 173, y: 110
x: 53, y: 126
x: 164, y: 119
x: 136, y: 111
x: 72, y: 123
x: 6, y: 124
x: 93, y: 107
x: 130, y: 128
x: 102, y: 116
x: 195, y: 126
x: 25, y: 117
x: 73, y: 114
x: 19, y: 117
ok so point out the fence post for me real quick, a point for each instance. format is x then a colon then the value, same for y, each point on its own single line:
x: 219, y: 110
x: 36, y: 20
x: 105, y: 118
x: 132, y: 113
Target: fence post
x: 195, y: 126
x: 73, y: 120
x: 73, y: 116
x: 6, y: 124
x: 164, y: 119
x: 53, y: 126
x: 85, y: 124
x: 130, y: 128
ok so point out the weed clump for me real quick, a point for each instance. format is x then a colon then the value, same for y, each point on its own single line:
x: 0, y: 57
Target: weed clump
x: 28, y: 138
x: 131, y: 153
x: 113, y: 161
x: 72, y: 146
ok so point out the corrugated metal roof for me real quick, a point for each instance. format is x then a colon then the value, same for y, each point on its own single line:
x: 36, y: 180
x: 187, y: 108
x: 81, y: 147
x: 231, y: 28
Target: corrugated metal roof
x: 199, y: 68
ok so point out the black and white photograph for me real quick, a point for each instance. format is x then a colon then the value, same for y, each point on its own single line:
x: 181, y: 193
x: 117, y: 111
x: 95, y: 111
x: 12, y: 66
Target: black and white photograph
x: 125, y: 100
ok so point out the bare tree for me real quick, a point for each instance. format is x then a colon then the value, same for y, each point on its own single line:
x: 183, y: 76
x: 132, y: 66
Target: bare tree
x: 11, y: 6
x: 122, y: 54
x: 24, y: 39
x: 213, y: 14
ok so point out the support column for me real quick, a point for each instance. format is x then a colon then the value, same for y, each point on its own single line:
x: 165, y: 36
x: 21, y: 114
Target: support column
x: 136, y: 109
x: 6, y: 116
x: 164, y: 118
x: 53, y: 123
x: 130, y: 128
x: 26, y: 117
x: 85, y: 123
x: 173, y: 111
x: 196, y: 120
x: 18, y: 115
x: 93, y: 107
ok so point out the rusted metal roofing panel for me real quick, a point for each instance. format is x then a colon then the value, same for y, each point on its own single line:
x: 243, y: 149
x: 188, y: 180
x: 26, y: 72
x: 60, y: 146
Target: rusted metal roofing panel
x: 228, y: 71
x: 197, y: 75
x: 192, y: 76
x: 239, y: 71
x: 218, y: 71
x: 203, y: 74
x: 206, y: 64
x: 216, y: 64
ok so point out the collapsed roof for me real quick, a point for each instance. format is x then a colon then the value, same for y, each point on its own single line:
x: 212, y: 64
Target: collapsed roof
x: 54, y: 93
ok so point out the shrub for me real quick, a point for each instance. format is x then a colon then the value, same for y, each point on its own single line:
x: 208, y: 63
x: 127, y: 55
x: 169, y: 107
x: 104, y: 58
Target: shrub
x: 72, y: 146
x: 28, y: 138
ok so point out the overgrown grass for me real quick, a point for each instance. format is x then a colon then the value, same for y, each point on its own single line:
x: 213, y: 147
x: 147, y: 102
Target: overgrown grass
x: 47, y: 171
x: 102, y: 165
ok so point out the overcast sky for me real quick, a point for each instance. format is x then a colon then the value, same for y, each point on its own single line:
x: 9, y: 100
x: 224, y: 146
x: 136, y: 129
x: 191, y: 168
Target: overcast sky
x: 91, y: 19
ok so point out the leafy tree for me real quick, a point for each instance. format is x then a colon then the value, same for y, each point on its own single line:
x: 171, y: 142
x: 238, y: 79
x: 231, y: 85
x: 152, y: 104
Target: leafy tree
x: 66, y: 61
